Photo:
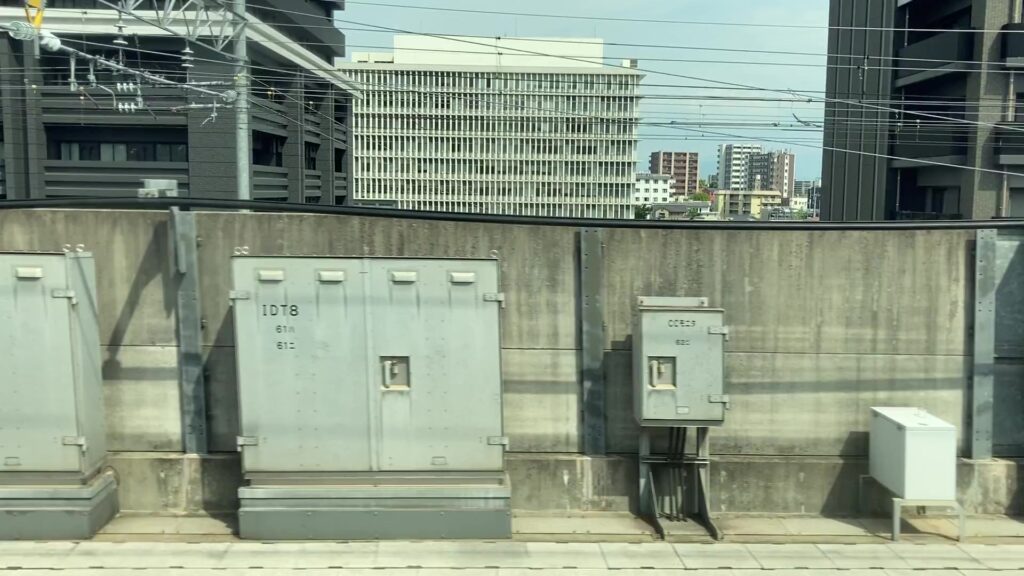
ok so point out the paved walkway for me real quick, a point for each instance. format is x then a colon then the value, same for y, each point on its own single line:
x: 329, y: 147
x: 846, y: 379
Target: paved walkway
x: 505, y: 559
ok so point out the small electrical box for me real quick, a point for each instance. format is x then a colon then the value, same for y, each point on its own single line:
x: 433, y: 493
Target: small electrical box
x: 679, y: 362
x: 913, y: 453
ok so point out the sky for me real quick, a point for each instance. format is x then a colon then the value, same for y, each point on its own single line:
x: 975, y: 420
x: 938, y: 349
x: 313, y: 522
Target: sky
x: 692, y: 68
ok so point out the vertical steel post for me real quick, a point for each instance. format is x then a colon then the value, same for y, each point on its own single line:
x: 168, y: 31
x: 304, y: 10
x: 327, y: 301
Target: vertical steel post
x: 191, y: 380
x: 591, y: 278
x: 983, y: 378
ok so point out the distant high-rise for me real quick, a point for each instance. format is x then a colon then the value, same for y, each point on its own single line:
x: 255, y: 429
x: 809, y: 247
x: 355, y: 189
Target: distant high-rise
x: 734, y: 165
x: 772, y: 171
x: 682, y: 167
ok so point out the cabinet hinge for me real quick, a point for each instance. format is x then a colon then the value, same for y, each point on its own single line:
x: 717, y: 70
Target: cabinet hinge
x: 720, y: 331
x: 75, y: 441
x: 239, y: 295
x: 241, y: 441
x: 68, y: 294
x: 720, y: 399
x: 497, y: 440
x: 495, y: 297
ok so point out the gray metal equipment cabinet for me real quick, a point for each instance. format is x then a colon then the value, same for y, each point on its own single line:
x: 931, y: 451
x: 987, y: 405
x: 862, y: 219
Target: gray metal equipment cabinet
x: 678, y: 381
x: 370, y: 398
x: 52, y: 437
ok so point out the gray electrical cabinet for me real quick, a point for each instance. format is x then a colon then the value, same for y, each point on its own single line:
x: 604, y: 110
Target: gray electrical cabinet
x: 678, y: 362
x: 52, y: 436
x: 370, y: 398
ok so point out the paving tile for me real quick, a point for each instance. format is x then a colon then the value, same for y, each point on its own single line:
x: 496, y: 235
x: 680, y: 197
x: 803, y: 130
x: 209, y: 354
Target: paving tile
x: 863, y: 556
x: 145, y: 555
x: 306, y: 555
x: 536, y: 555
x: 782, y: 556
x: 936, y: 556
x: 649, y: 555
x: 1001, y: 557
x: 33, y: 554
x: 800, y: 572
x: 715, y: 556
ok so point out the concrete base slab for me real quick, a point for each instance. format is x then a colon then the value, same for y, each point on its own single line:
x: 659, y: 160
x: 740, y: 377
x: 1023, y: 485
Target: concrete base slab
x: 322, y: 523
x: 57, y: 513
x: 584, y: 527
x: 130, y: 525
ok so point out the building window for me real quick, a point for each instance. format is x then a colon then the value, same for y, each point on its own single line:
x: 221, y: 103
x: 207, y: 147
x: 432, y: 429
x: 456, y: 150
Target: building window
x: 117, y: 151
x: 267, y: 149
x: 311, y: 150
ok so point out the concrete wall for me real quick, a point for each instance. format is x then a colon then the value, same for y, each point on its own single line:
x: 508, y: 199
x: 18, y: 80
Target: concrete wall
x: 824, y: 324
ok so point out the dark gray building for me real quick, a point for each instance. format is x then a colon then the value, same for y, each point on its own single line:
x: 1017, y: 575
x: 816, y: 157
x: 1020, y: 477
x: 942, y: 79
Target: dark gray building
x: 62, y: 135
x: 921, y: 111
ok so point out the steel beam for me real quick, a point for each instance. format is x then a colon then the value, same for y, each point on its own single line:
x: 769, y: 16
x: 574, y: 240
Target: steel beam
x: 192, y: 382
x: 983, y: 377
x: 591, y: 314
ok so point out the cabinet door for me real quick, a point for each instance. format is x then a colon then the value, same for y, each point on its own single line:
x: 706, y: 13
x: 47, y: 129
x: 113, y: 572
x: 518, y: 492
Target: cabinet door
x: 37, y: 389
x: 301, y: 335
x: 435, y: 340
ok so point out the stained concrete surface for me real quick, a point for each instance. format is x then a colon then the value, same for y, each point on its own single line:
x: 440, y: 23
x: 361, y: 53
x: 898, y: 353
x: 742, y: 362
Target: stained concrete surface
x: 504, y: 558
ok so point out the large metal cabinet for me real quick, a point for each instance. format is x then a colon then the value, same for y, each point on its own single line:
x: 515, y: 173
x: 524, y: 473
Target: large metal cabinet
x: 51, y: 398
x: 369, y: 372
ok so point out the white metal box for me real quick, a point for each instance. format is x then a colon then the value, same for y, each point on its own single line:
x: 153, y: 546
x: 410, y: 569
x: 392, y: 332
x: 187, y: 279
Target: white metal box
x: 368, y: 365
x: 679, y: 362
x: 913, y: 453
x: 51, y: 385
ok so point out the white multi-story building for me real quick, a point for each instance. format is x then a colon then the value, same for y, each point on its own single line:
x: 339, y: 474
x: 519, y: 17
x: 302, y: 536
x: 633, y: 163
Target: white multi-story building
x: 508, y: 126
x: 653, y: 189
x: 734, y: 165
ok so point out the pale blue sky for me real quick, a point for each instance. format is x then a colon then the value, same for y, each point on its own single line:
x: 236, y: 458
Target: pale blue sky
x: 669, y: 98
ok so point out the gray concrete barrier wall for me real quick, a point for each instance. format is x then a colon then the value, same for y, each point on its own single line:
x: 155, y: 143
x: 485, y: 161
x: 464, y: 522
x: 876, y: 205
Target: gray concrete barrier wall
x: 824, y: 324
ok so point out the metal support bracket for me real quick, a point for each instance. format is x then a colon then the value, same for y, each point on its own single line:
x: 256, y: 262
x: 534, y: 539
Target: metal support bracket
x: 191, y: 378
x: 497, y: 440
x: 495, y: 297
x: 689, y: 497
x: 592, y: 335
x: 239, y: 295
x: 719, y: 331
x: 720, y: 399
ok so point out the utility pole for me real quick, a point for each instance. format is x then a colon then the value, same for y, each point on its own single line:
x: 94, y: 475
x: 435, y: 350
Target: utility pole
x: 243, y: 151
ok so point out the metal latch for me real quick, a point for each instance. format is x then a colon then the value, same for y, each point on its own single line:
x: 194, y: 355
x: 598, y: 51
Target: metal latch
x: 495, y: 297
x: 69, y: 294
x: 497, y: 440
x: 241, y: 441
x: 720, y: 399
x: 75, y: 441
x: 719, y: 330
x: 239, y: 295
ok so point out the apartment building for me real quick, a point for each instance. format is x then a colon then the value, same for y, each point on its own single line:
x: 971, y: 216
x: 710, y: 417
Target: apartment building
x: 65, y: 135
x: 496, y: 125
x: 683, y: 167
x: 653, y: 189
x: 775, y: 170
x: 734, y: 165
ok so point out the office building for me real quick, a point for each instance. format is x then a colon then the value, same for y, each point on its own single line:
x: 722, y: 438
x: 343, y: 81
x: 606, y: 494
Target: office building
x: 774, y: 170
x: 653, y: 189
x: 906, y: 134
x: 492, y: 126
x: 64, y: 136
x: 683, y: 167
x: 734, y: 165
